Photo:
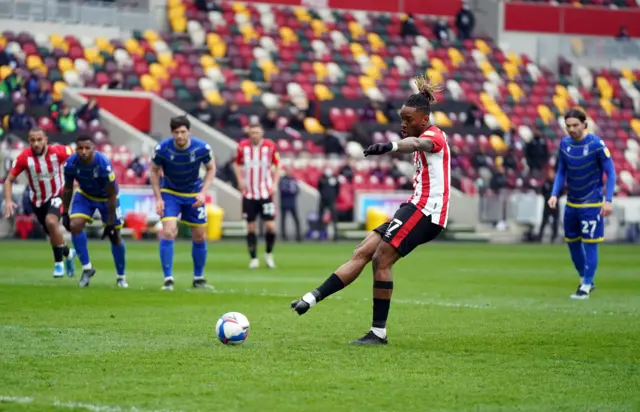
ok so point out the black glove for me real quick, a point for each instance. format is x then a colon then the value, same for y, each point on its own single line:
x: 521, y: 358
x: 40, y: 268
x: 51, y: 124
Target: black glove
x: 378, y: 149
x: 109, y: 231
x: 66, y: 222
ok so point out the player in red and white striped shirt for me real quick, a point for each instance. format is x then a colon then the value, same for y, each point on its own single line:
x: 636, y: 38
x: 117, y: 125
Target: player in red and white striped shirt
x: 257, y: 168
x: 421, y: 219
x: 43, y: 163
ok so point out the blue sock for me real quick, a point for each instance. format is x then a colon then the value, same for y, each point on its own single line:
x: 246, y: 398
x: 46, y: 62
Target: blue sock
x: 199, y: 255
x: 591, y: 262
x: 118, y: 252
x: 577, y: 256
x: 80, y: 245
x: 166, y: 257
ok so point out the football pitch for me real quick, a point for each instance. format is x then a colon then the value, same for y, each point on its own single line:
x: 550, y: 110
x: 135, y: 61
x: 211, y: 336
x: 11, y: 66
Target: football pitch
x: 472, y: 328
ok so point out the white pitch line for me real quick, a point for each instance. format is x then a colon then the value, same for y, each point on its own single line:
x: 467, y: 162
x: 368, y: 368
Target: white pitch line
x: 79, y: 405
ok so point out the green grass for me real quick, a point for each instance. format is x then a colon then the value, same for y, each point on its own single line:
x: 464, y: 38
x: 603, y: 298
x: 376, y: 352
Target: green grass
x: 472, y: 328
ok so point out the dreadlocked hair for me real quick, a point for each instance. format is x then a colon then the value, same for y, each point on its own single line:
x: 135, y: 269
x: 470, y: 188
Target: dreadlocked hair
x: 426, y: 95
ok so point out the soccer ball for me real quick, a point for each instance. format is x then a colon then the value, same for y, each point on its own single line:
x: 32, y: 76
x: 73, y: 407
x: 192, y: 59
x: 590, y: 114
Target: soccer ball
x: 232, y: 328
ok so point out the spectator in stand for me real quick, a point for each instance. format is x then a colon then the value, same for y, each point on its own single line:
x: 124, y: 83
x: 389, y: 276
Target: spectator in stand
x: 381, y: 170
x: 297, y: 121
x: 19, y: 120
x: 329, y: 188
x: 138, y: 166
x: 66, y: 121
x: 479, y: 159
x: 511, y: 160
x: 474, y: 117
x: 42, y: 96
x: 269, y: 120
x: 11, y: 84
x: 332, y: 143
x: 498, y: 180
x: 348, y: 170
x: 54, y: 109
x: 232, y: 117
x: 441, y: 29
x: 510, y: 137
x: 405, y: 184
x: 623, y: 34
x: 368, y: 114
x: 204, y: 112
x: 207, y: 6
x: 394, y: 170
x: 90, y: 111
x: 536, y: 152
x: 289, y: 190
x: 7, y: 59
x: 546, y: 190
x: 116, y: 83
x: 465, y: 21
x: 409, y: 28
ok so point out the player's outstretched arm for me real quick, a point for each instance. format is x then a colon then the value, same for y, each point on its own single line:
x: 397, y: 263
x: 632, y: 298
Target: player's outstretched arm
x: 406, y: 145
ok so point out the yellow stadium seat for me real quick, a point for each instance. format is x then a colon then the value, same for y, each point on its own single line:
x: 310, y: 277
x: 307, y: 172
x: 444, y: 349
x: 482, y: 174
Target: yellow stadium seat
x: 437, y: 64
x: 34, y: 62
x: 269, y: 69
x: 483, y: 47
x: 456, y: 57
x: 214, y: 97
x: 213, y: 38
x: 378, y: 62
x: 560, y: 103
x: 158, y: 71
x: 381, y: 117
x: 56, y: 40
x: 312, y: 125
x: 133, y: 47
x: 5, y: 71
x: 166, y: 60
x: 179, y: 25
x: 207, y: 61
x: 442, y: 120
x: 373, y: 72
x: 319, y: 28
x: 176, y: 13
x: 148, y: 83
x: 92, y: 55
x: 606, y: 91
x: 238, y: 7
x: 322, y: 92
x: 356, y: 30
x: 65, y: 64
x: 366, y: 82
x: 3, y: 41
x: 435, y: 76
x: 219, y: 50
x: 58, y: 87
x: 635, y: 126
x: 302, y: 14
x: 171, y: 4
x: 562, y: 91
x: 516, y: 92
x: 607, y: 106
x: 288, y: 35
x: 503, y: 121
x: 514, y: 58
x: 150, y: 35
x: 250, y: 89
x: 103, y: 44
x: 375, y: 41
x: 320, y: 70
x: 626, y: 73
x: 248, y: 33
x: 511, y: 70
x: 497, y: 144
x: 545, y: 113
x: 357, y: 49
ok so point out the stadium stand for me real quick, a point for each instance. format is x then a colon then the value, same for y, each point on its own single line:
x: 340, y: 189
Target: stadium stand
x: 604, y: 3
x: 335, y: 76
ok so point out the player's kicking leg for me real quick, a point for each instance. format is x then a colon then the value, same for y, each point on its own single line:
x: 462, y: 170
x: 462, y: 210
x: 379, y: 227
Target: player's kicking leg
x: 344, y: 275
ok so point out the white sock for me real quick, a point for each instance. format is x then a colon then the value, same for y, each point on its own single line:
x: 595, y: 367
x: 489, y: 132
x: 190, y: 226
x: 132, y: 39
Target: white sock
x: 87, y: 266
x: 586, y: 288
x: 120, y: 277
x: 581, y: 280
x: 380, y: 332
x: 310, y: 299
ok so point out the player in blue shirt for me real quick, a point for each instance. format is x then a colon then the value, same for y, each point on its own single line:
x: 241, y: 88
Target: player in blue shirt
x: 181, y: 192
x: 97, y: 191
x: 583, y: 159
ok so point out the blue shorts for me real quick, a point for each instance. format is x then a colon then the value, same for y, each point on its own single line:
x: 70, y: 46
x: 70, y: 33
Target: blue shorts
x: 177, y: 205
x: 583, y: 224
x: 85, y: 206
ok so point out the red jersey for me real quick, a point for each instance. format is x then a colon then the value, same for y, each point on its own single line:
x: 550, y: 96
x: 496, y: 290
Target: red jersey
x: 44, y: 172
x: 258, y: 162
x: 432, y: 178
